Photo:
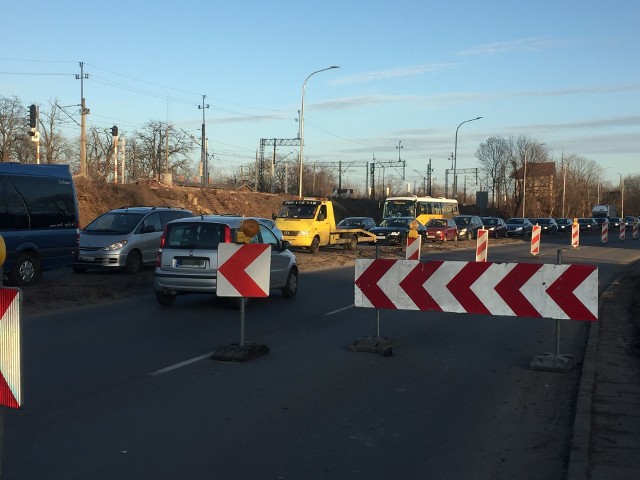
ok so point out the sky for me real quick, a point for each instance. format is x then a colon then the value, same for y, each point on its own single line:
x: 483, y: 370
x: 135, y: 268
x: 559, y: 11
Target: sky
x: 563, y: 73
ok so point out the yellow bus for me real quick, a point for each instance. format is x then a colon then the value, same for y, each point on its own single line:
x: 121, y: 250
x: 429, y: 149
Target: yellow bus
x: 423, y: 208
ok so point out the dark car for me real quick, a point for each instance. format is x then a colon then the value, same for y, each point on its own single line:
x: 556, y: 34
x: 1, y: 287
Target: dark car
x: 519, y: 227
x: 396, y: 229
x: 547, y: 225
x: 364, y: 223
x: 564, y: 224
x: 629, y: 220
x: 614, y: 222
x: 468, y: 226
x: 441, y: 230
x: 496, y: 226
x: 601, y: 221
x: 588, y: 224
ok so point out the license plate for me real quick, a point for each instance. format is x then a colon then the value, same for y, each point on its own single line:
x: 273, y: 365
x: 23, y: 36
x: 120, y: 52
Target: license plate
x: 381, y: 237
x: 191, y: 263
x: 84, y: 258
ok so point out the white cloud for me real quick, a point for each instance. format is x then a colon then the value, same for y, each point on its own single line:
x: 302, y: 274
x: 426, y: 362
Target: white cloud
x: 512, y: 45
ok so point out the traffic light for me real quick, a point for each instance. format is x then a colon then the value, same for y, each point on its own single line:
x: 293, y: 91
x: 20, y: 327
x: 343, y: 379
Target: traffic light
x: 114, y: 131
x: 33, y: 116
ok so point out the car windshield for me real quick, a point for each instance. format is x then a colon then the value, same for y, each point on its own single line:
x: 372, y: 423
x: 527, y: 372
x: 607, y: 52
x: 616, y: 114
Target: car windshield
x: 543, y: 221
x: 115, y: 222
x: 490, y: 221
x: 395, y: 222
x: 294, y: 210
x: 350, y: 222
x: 437, y: 222
x: 463, y: 220
x: 515, y: 221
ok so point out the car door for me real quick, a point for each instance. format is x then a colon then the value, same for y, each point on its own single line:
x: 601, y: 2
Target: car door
x: 148, y: 237
x: 279, y: 261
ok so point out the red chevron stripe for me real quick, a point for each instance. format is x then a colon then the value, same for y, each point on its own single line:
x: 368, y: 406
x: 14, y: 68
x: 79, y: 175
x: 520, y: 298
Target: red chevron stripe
x: 509, y: 289
x: 367, y: 282
x: 460, y: 287
x: 562, y: 292
x: 414, y: 281
x: 234, y: 270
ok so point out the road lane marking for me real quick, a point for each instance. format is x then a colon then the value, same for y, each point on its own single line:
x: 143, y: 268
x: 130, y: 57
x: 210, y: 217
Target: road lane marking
x: 339, y: 310
x: 181, y: 364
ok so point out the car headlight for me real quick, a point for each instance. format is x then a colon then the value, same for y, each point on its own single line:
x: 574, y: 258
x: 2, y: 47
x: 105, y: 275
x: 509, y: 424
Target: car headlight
x: 462, y: 230
x: 115, y: 246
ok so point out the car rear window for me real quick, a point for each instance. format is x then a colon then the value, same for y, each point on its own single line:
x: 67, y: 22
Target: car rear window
x: 194, y: 235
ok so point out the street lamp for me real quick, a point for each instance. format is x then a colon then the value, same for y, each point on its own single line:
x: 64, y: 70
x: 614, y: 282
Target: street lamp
x: 455, y: 157
x: 304, y: 86
x: 621, y: 195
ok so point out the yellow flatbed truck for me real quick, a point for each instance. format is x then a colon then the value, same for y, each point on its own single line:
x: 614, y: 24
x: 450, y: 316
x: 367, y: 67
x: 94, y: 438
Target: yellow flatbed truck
x: 310, y: 223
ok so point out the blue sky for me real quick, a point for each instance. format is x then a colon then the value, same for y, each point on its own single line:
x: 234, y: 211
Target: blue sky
x: 564, y: 73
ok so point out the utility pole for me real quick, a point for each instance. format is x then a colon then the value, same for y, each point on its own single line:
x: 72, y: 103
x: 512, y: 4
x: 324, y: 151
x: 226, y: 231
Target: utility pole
x: 83, y: 123
x: 203, y: 153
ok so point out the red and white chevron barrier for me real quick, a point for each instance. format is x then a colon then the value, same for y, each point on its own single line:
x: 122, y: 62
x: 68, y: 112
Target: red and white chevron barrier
x: 604, y: 235
x: 512, y: 289
x: 575, y: 235
x: 413, y: 248
x: 634, y: 235
x: 482, y: 245
x: 623, y: 231
x: 535, y: 239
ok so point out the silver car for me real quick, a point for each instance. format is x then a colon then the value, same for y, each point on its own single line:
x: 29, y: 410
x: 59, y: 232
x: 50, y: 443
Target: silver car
x: 126, y: 238
x: 188, y: 258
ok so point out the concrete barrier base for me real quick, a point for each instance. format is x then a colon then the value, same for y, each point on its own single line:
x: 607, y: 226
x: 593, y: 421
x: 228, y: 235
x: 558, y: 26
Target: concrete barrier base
x: 237, y: 353
x: 383, y: 345
x: 550, y: 362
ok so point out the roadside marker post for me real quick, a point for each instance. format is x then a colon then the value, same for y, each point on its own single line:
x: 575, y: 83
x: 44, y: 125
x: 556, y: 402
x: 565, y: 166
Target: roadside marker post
x: 375, y: 344
x: 604, y: 236
x: 413, y: 247
x: 575, y: 234
x: 623, y: 231
x: 244, y: 271
x: 482, y: 245
x: 634, y: 235
x: 535, y: 240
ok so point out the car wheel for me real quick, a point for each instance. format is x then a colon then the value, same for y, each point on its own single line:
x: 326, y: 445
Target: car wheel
x: 165, y: 299
x: 314, y: 248
x: 353, y: 243
x: 133, y: 263
x: 25, y: 271
x: 291, y: 287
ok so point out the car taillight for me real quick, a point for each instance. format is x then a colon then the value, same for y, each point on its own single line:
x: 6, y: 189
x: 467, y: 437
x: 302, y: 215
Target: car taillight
x: 227, y: 234
x: 159, y: 254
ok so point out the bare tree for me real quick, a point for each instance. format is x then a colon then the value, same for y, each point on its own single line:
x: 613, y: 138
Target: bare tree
x: 162, y: 149
x: 13, y: 130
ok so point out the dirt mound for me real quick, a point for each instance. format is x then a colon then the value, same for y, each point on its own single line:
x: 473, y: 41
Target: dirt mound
x: 95, y: 198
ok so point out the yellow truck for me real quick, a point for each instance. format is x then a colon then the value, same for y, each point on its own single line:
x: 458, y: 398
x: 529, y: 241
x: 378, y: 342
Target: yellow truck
x: 310, y: 223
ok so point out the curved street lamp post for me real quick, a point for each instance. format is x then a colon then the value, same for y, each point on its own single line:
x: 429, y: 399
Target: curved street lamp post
x: 304, y: 85
x: 455, y: 157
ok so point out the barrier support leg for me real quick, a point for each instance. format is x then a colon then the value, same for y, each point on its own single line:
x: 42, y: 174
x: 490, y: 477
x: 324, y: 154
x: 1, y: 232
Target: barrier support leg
x: 243, y: 351
x: 557, y: 362
x: 377, y: 344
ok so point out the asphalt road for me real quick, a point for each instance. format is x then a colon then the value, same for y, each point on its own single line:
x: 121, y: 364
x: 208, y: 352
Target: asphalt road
x: 127, y: 390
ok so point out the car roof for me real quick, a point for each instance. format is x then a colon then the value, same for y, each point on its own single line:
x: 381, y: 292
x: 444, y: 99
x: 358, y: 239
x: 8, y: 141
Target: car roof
x: 232, y: 220
x: 135, y: 209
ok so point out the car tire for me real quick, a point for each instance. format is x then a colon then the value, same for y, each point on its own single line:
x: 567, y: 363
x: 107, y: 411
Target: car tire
x: 134, y: 262
x: 25, y: 271
x: 314, y: 248
x: 353, y: 243
x: 165, y: 299
x: 291, y: 286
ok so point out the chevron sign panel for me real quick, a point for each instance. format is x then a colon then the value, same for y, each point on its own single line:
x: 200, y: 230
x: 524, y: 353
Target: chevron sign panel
x: 512, y: 289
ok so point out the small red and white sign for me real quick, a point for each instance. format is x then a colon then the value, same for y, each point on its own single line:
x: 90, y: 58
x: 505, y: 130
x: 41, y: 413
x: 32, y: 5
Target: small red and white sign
x: 413, y: 248
x: 634, y: 231
x: 511, y: 289
x: 575, y: 235
x: 10, y: 362
x: 535, y: 239
x: 623, y: 231
x: 482, y: 245
x: 244, y: 270
x: 604, y: 235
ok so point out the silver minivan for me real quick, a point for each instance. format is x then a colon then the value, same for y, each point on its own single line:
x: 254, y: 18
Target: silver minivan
x: 188, y: 258
x: 125, y: 238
